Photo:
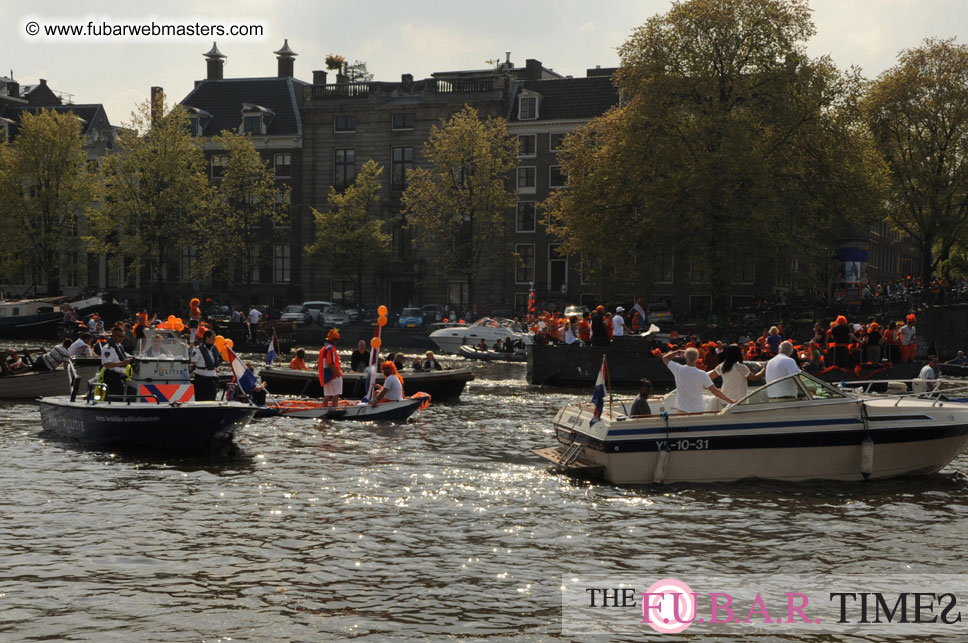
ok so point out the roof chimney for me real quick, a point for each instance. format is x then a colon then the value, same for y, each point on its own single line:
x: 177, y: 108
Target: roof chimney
x: 533, y: 69
x: 215, y: 61
x: 286, y: 58
x: 319, y: 77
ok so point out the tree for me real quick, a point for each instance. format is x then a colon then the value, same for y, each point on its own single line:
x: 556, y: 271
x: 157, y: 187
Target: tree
x: 729, y: 144
x: 350, y: 239
x: 459, y: 203
x: 356, y: 72
x: 239, y: 230
x: 44, y: 186
x: 155, y: 189
x: 918, y: 111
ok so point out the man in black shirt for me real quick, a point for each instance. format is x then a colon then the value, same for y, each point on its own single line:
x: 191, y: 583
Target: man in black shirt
x: 360, y: 358
x: 599, y: 330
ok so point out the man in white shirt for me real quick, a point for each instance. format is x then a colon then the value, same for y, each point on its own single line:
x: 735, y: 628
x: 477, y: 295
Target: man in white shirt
x: 618, y: 323
x: 82, y: 347
x: 779, y: 367
x: 255, y: 315
x: 114, y: 360
x: 690, y: 381
x: 927, y: 378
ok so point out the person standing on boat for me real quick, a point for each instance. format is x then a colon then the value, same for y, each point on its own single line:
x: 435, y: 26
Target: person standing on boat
x: 206, y: 359
x: 618, y: 323
x: 778, y: 368
x: 907, y: 335
x: 640, y: 405
x: 599, y: 331
x: 392, y: 388
x: 735, y: 373
x: 114, y: 360
x: 690, y: 381
x: 82, y: 347
x: 255, y: 315
x: 927, y: 379
x: 328, y: 367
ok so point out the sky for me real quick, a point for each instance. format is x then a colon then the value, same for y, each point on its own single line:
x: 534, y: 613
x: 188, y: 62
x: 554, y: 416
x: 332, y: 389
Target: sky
x: 417, y: 37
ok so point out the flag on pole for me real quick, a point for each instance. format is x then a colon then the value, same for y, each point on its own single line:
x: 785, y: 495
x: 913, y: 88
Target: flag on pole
x: 273, y: 353
x: 598, y: 396
x: 244, y: 377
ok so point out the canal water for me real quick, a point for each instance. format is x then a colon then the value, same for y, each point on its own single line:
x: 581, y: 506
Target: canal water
x: 444, y: 527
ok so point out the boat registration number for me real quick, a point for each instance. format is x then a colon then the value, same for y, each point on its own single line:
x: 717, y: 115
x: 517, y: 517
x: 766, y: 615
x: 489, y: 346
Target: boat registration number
x: 682, y: 445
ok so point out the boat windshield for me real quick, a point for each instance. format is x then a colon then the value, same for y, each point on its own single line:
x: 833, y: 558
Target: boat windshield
x: 164, y: 344
x: 798, y: 387
x: 487, y: 322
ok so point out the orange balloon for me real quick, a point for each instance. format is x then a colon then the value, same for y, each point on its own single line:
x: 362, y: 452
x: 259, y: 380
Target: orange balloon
x: 179, y: 326
x: 382, y: 311
x: 376, y: 342
x: 381, y: 321
x: 171, y: 319
x: 230, y: 343
x: 224, y: 352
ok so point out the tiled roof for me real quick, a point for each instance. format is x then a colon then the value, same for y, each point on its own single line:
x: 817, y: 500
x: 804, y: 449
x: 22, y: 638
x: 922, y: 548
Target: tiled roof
x: 223, y: 99
x: 87, y: 112
x: 569, y: 98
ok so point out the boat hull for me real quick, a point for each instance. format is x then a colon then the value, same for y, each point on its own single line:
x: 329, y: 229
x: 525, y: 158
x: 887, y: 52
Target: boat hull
x: 441, y: 385
x: 385, y: 412
x: 490, y: 356
x: 39, y: 326
x: 31, y: 384
x: 197, y: 427
x: 712, y: 447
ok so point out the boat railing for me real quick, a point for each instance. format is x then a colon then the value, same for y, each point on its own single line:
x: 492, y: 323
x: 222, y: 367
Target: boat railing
x: 939, y: 394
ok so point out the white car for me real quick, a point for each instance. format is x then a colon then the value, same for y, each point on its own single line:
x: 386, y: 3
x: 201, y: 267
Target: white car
x: 317, y: 308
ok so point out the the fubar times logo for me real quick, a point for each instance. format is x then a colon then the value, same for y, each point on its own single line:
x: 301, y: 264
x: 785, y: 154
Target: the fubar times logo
x: 895, y: 605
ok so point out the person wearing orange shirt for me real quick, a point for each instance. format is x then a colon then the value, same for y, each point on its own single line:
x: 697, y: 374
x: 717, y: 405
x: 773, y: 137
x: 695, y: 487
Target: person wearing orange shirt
x: 298, y: 362
x: 328, y: 367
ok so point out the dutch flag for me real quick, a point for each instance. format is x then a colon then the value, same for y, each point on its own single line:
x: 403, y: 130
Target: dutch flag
x: 273, y: 353
x: 243, y: 375
x: 598, y: 396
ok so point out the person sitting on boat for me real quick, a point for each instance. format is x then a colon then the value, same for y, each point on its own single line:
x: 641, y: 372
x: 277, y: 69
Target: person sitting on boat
x: 82, y: 347
x: 640, y: 405
x: 92, y: 324
x: 298, y: 362
x: 959, y: 359
x: 15, y: 363
x: 58, y: 355
x: 157, y: 347
x: 258, y: 393
x: 572, y: 331
x: 690, y: 381
x: 735, y: 373
x: 328, y: 367
x: 70, y: 317
x: 779, y: 367
x: 98, y: 324
x: 206, y: 358
x: 360, y: 358
x: 392, y: 388
x: 927, y: 379
x: 430, y: 362
x: 114, y: 360
x: 482, y: 346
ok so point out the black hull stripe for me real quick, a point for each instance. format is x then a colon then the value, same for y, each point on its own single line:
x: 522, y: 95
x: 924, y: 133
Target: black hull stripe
x: 738, y: 427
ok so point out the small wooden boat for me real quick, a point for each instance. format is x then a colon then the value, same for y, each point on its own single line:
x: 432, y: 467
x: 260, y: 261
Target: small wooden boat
x: 397, y: 411
x: 491, y: 356
x: 444, y: 385
x: 30, y: 384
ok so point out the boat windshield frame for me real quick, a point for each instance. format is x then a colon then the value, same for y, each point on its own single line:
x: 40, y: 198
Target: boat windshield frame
x: 807, y: 388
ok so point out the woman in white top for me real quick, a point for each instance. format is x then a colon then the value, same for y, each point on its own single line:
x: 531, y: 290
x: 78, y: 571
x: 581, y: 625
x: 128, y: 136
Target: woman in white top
x: 735, y: 373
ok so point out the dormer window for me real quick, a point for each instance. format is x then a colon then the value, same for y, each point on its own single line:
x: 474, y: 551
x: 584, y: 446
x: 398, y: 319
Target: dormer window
x: 528, y: 108
x: 256, y: 119
x: 197, y: 120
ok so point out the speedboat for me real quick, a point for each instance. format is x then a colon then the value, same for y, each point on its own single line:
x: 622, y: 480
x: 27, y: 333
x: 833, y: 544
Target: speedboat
x: 385, y: 411
x: 158, y: 410
x: 444, y: 385
x: 31, y: 384
x: 490, y: 329
x: 796, y: 428
x: 472, y: 352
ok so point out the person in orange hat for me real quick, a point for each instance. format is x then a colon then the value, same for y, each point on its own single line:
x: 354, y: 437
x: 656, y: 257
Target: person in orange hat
x: 872, y: 343
x: 328, y: 367
x: 599, y: 329
x: 906, y: 337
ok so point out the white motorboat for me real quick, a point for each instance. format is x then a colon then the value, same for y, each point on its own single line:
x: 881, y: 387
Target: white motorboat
x: 797, y: 428
x: 490, y: 329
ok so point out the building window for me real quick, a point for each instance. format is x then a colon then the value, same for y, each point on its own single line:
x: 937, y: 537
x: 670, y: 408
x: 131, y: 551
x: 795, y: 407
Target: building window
x: 345, y: 168
x: 662, y: 266
x: 219, y: 163
x: 402, y: 164
x: 554, y: 141
x: 557, y: 269
x: 528, y: 109
x: 343, y: 292
x: 527, y: 145
x: 193, y: 128
x: 698, y: 270
x: 252, y: 125
x: 744, y: 267
x: 344, y: 123
x: 255, y: 260
x: 556, y: 178
x: 72, y: 268
x: 188, y: 258
x: 281, y: 263
x: 524, y: 273
x: 526, y: 217
x: 283, y: 163
x: 526, y: 179
x: 402, y: 121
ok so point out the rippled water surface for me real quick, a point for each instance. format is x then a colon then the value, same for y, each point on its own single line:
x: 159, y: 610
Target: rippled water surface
x: 446, y: 526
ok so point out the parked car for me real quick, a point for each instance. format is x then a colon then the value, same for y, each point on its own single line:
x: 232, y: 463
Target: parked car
x: 218, y: 313
x: 411, y: 318
x: 335, y: 316
x: 298, y: 314
x: 317, y: 308
x: 577, y: 311
x: 432, y: 313
x: 659, y: 313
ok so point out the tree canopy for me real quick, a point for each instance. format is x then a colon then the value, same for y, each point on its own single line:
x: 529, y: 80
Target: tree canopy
x: 44, y: 186
x: 458, y: 203
x: 729, y: 143
x: 918, y: 112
